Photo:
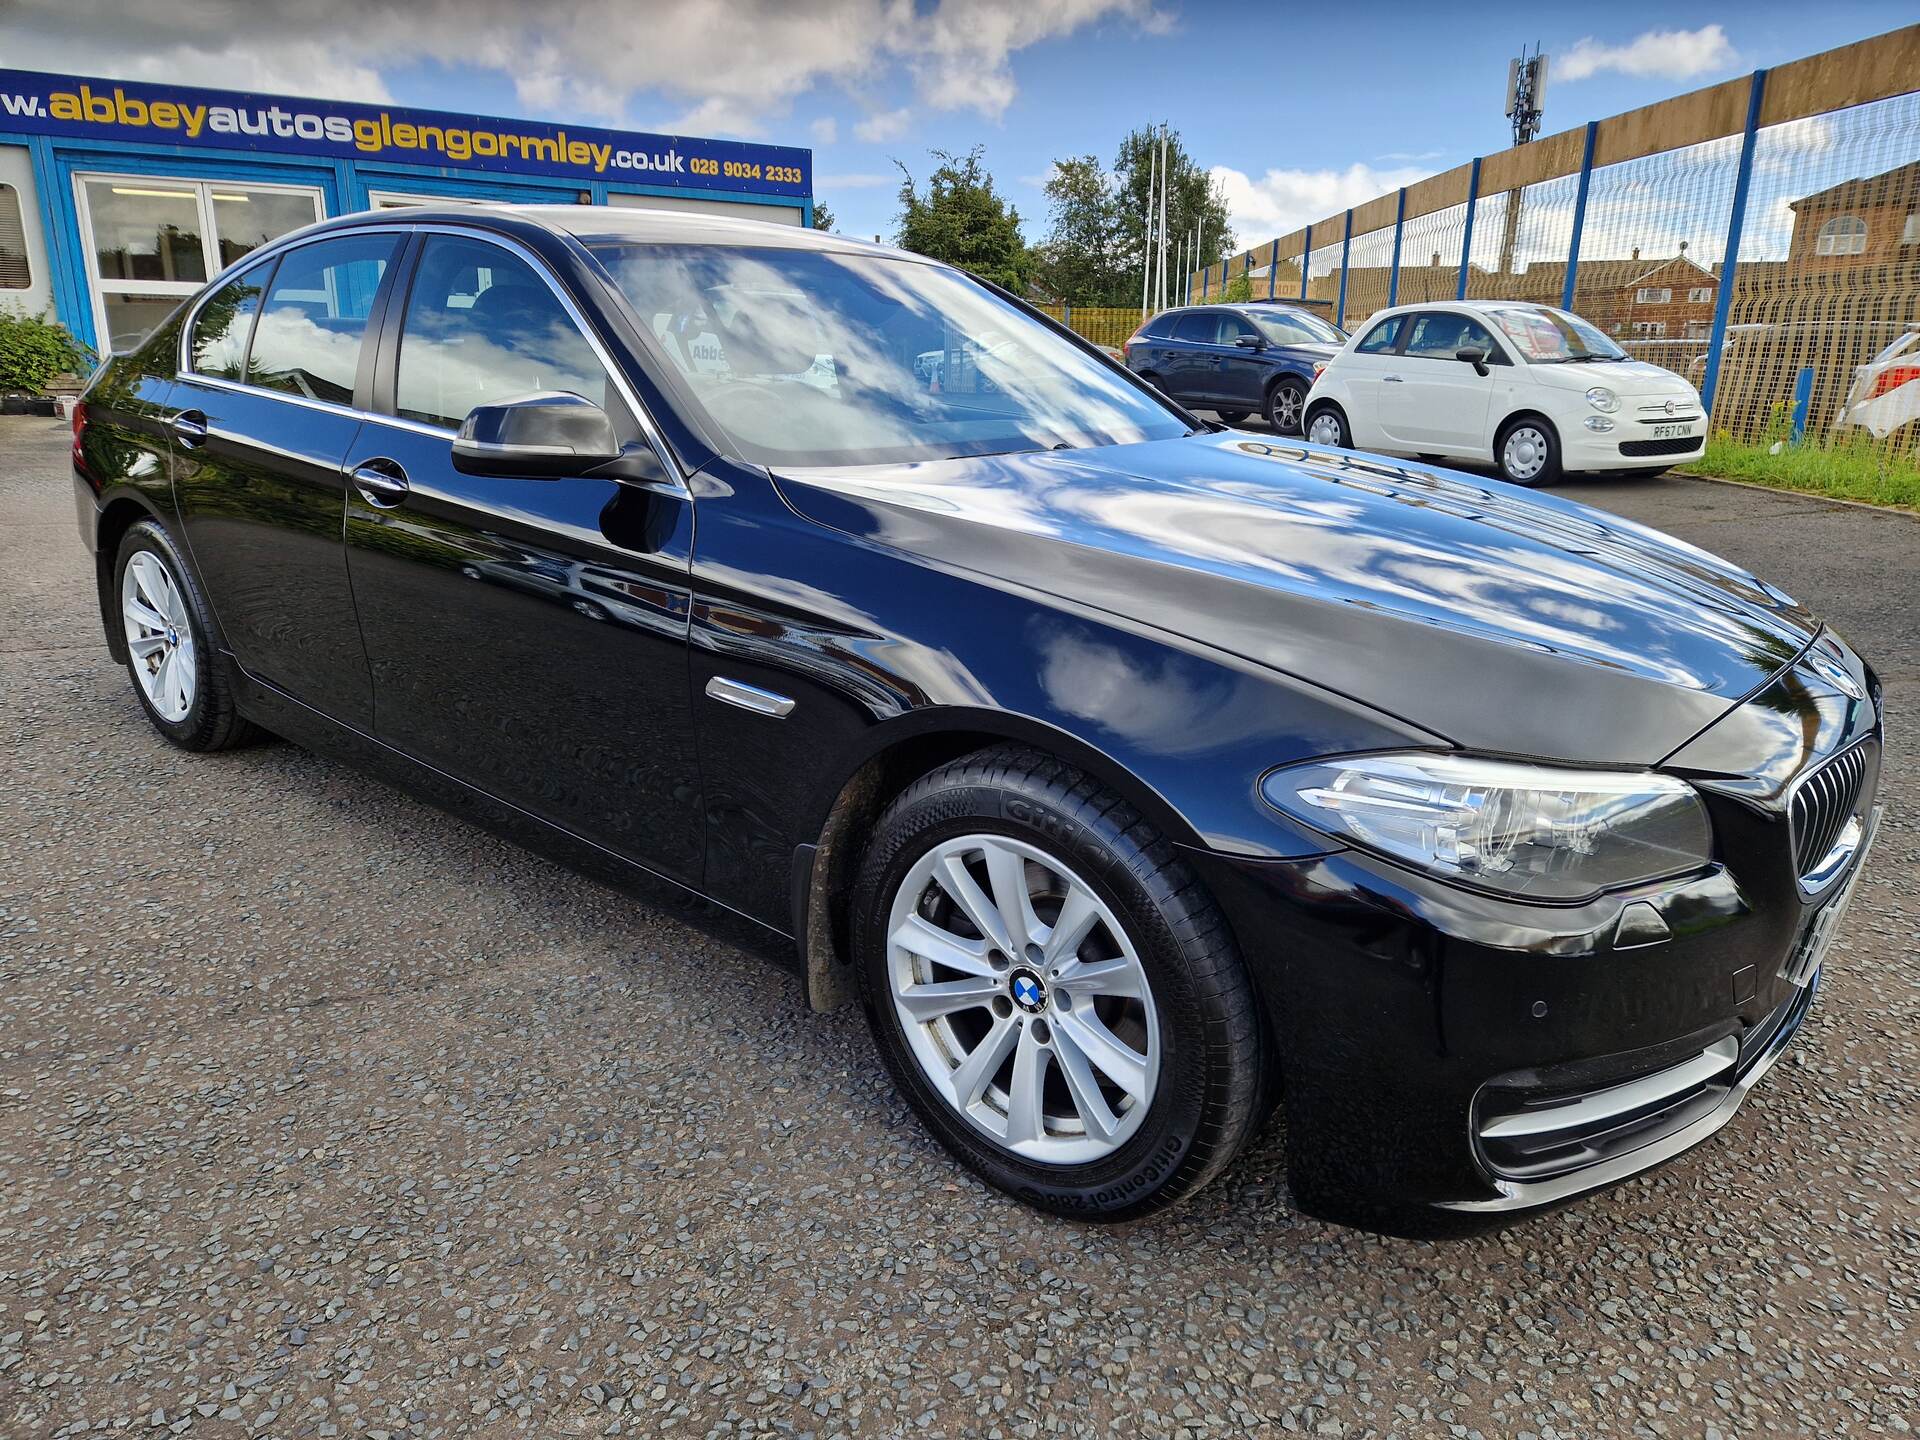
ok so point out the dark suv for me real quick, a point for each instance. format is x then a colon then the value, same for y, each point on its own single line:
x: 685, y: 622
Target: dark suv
x: 1237, y: 359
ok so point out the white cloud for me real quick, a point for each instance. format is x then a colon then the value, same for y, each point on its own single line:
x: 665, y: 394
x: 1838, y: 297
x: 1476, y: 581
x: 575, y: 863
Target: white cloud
x: 1667, y: 54
x: 825, y: 130
x: 735, y: 64
x: 888, y: 125
x: 1281, y: 201
x: 855, y: 182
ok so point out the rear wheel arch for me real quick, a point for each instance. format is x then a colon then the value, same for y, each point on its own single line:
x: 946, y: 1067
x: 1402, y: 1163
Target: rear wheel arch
x: 898, y: 753
x: 120, y: 515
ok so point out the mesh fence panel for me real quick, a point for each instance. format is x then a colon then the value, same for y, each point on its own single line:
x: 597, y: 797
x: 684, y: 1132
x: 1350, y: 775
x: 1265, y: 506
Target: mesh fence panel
x: 1430, y: 255
x: 1520, y: 240
x: 1323, y: 278
x: 1104, y: 325
x: 1650, y: 251
x: 1829, y: 281
x: 1369, y: 275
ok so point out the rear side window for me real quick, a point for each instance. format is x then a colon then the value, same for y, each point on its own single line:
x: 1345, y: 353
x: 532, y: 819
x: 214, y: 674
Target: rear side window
x: 224, y: 323
x: 482, y: 326
x: 1381, y: 338
x: 1160, y: 327
x: 314, y: 319
x: 1199, y: 326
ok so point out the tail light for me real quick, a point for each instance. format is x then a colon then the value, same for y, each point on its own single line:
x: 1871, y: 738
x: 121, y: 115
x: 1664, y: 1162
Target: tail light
x: 1319, y: 368
x: 1892, y: 378
x: 80, y: 436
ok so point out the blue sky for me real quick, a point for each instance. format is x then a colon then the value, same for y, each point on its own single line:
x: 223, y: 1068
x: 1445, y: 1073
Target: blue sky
x: 1305, y: 108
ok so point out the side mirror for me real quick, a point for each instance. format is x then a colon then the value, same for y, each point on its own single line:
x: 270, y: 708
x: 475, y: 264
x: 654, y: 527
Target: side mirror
x: 539, y: 437
x: 1474, y: 356
x: 1250, y: 342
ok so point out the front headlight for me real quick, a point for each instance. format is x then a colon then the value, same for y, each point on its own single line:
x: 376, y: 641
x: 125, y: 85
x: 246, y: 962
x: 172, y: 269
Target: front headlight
x: 1601, y: 398
x: 1531, y: 831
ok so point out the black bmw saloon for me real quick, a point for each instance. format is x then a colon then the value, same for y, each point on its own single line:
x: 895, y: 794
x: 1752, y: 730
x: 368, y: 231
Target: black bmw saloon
x: 1135, y: 776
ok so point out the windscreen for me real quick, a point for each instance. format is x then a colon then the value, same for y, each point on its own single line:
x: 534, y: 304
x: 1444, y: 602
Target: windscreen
x: 1546, y: 336
x: 806, y: 357
x: 1295, y: 327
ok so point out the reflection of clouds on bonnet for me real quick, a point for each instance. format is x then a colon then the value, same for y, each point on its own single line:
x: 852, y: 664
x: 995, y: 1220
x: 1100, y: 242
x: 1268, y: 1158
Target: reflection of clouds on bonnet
x: 1151, y: 699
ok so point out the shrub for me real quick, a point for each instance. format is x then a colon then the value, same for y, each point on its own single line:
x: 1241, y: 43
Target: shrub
x: 33, y: 349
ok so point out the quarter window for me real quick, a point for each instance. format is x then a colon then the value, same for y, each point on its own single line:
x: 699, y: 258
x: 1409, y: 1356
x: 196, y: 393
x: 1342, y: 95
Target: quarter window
x: 224, y: 323
x: 307, y: 339
x: 1382, y: 337
x: 482, y: 326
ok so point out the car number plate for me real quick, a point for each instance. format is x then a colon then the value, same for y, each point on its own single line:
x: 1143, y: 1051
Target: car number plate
x: 1671, y: 432
x: 1812, y: 949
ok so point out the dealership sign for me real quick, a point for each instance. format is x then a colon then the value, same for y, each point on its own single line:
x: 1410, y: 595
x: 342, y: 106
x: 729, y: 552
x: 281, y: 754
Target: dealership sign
x: 66, y: 105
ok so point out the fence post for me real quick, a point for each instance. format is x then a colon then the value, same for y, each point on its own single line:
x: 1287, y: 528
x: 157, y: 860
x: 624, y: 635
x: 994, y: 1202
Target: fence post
x: 1466, y: 240
x: 1306, y: 254
x: 1723, y: 299
x: 1066, y: 316
x: 1579, y: 217
x: 1273, y: 266
x: 1393, y: 275
x: 1346, y: 249
x: 1802, y: 401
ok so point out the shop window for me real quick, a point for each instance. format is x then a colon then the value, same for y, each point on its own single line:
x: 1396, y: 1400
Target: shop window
x: 307, y: 339
x: 14, y: 274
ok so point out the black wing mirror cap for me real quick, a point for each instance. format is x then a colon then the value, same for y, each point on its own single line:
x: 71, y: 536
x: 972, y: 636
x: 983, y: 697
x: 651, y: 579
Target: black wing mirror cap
x: 539, y: 436
x: 1474, y: 356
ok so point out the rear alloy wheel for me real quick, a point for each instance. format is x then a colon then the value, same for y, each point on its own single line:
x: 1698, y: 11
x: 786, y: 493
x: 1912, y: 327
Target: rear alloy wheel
x: 1285, y: 404
x: 1327, y: 426
x: 1052, y: 990
x: 1529, y: 453
x: 179, y: 678
x: 1233, y: 417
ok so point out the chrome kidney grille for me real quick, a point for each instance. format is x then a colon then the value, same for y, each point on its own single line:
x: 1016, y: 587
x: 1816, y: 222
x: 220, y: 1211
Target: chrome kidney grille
x: 1824, y: 813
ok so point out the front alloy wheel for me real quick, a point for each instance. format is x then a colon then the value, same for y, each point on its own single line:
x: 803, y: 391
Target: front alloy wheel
x: 1052, y: 990
x: 1022, y: 999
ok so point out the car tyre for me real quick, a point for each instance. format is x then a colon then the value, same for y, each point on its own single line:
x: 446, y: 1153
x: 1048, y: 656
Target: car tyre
x: 1233, y: 417
x: 1328, y: 426
x: 177, y: 673
x: 1527, y: 452
x: 1013, y: 1066
x: 1286, y: 406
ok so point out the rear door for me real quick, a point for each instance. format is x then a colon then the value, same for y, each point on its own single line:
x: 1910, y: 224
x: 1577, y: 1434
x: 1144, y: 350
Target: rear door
x: 526, y: 636
x: 262, y: 421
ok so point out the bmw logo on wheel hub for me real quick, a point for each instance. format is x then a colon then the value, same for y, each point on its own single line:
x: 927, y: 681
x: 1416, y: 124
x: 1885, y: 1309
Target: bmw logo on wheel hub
x: 1029, y: 991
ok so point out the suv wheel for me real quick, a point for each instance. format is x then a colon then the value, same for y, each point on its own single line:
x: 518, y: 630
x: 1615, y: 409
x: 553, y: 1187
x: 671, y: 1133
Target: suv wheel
x: 1233, y: 417
x: 1053, y: 991
x: 1285, y: 404
x: 170, y: 655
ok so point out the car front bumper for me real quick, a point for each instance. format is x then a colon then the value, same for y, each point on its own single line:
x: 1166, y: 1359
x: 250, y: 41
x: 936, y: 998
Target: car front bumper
x: 1444, y: 1051
x: 1632, y: 446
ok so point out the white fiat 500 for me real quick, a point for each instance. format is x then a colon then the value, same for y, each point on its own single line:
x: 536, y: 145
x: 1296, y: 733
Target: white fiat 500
x: 1528, y: 388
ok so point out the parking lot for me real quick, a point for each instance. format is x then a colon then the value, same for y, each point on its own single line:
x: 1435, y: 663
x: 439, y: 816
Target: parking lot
x: 322, y: 1113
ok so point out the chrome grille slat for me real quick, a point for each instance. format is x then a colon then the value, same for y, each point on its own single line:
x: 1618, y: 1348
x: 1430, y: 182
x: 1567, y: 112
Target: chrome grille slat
x: 1822, y: 805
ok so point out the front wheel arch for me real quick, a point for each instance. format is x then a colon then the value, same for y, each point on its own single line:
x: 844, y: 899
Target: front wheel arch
x: 1555, y: 463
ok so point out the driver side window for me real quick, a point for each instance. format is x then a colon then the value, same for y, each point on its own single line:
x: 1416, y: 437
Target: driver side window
x: 482, y: 326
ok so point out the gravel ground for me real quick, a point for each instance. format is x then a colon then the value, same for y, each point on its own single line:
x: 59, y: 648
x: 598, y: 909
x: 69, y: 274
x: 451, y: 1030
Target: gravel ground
x: 324, y: 1114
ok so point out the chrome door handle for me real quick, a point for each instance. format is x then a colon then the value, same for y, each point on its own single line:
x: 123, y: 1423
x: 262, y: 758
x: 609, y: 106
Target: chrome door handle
x: 189, y: 428
x: 382, y: 484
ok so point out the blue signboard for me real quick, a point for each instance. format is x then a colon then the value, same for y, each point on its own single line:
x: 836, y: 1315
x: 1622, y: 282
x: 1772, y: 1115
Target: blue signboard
x: 125, y: 110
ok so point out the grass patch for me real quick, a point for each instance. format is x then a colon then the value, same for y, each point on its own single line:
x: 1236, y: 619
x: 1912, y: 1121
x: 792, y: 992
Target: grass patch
x: 1849, y: 470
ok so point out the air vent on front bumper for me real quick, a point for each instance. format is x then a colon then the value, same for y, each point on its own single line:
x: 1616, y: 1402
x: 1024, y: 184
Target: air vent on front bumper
x: 1679, y: 445
x: 1569, y: 1132
x: 1824, y: 813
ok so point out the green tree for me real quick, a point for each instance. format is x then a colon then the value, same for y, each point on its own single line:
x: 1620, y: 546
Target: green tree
x: 1193, y: 198
x: 1080, y: 261
x: 961, y: 220
x: 822, y: 217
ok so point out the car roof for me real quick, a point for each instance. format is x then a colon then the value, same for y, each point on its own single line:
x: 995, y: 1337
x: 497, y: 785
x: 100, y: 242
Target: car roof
x: 607, y: 224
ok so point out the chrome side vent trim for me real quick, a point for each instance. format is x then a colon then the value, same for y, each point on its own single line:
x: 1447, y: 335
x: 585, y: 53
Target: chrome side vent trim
x: 750, y: 697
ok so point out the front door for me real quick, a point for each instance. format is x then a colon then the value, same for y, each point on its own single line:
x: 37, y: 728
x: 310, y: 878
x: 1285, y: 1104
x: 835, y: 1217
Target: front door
x: 526, y: 636
x: 262, y: 423
x: 1442, y: 403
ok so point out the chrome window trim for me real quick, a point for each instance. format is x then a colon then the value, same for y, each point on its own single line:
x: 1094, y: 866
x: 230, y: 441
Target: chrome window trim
x: 642, y: 415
